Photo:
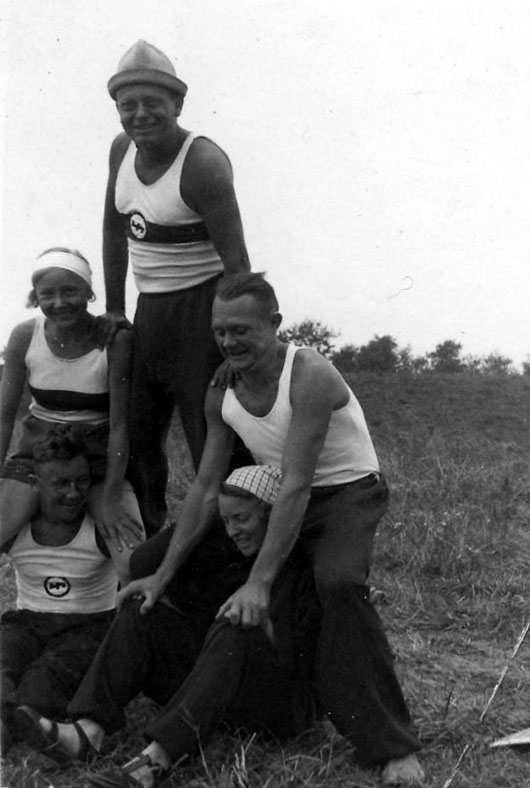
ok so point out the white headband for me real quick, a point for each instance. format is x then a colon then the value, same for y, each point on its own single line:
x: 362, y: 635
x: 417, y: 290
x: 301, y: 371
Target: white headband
x: 67, y: 260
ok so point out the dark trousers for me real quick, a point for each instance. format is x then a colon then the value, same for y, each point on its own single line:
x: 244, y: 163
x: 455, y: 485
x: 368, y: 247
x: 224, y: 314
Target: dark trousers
x: 235, y: 678
x: 355, y: 676
x: 175, y: 356
x: 44, y: 657
x: 150, y: 653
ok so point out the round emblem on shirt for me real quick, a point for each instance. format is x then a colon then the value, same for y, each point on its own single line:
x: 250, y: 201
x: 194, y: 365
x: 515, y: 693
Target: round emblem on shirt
x: 56, y: 586
x: 138, y: 225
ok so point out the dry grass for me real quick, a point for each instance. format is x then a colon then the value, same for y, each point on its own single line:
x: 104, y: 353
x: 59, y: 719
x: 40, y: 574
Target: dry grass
x: 451, y: 573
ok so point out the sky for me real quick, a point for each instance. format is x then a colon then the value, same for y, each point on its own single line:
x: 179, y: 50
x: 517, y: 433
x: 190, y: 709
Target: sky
x: 380, y: 151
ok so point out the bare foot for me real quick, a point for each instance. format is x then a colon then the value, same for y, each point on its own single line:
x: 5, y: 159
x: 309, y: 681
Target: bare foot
x: 403, y: 771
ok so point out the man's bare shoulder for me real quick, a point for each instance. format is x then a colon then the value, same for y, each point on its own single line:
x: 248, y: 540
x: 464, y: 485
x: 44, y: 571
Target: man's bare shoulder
x: 206, y: 155
x: 313, y: 372
x: 310, y: 362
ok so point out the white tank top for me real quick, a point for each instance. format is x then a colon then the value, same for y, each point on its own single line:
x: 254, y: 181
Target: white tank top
x: 73, y: 578
x: 169, y: 245
x: 347, y: 455
x: 66, y: 389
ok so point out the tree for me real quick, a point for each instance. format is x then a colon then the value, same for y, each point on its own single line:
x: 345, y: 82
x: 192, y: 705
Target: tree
x: 473, y: 364
x: 419, y: 364
x: 346, y: 360
x: 310, y: 333
x: 496, y: 364
x: 379, y: 355
x: 446, y: 357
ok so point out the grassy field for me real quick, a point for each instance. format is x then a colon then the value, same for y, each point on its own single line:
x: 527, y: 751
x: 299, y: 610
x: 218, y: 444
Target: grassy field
x: 452, y: 585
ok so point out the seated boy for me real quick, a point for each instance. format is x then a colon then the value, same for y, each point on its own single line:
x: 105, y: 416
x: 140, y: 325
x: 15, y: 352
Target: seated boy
x: 258, y: 678
x: 66, y: 588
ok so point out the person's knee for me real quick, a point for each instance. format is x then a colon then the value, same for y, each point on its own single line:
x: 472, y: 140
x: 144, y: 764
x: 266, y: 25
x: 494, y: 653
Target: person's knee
x: 40, y: 687
x: 147, y: 557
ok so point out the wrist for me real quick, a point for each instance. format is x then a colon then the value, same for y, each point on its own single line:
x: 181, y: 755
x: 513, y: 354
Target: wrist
x: 115, y: 311
x: 112, y: 493
x: 262, y: 577
x: 163, y: 575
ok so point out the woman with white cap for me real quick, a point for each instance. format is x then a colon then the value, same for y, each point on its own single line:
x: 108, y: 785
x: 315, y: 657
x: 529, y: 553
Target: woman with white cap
x: 72, y: 380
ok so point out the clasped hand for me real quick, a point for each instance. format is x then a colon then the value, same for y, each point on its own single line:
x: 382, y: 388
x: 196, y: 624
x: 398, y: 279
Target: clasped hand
x: 147, y: 588
x: 249, y: 607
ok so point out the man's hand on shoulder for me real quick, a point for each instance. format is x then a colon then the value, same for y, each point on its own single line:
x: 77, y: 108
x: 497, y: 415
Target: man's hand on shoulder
x: 107, y: 326
x: 224, y: 376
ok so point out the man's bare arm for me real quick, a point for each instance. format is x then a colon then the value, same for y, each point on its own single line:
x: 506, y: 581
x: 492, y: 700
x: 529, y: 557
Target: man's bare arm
x: 317, y: 389
x: 207, y: 186
x: 115, y: 252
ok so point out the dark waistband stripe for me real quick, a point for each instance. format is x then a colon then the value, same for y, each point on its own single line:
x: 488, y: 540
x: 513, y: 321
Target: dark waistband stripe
x: 139, y: 229
x: 60, y: 399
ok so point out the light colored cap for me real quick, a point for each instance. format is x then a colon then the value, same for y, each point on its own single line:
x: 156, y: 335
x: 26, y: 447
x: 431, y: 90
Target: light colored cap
x: 69, y: 259
x: 143, y: 63
x: 263, y: 481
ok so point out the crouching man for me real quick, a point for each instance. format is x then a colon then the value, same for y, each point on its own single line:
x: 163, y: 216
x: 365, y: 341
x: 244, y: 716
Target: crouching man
x: 66, y: 588
x: 292, y: 409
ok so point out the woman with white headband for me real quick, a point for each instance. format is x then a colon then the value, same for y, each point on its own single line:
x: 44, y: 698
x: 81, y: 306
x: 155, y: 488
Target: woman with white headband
x: 72, y: 380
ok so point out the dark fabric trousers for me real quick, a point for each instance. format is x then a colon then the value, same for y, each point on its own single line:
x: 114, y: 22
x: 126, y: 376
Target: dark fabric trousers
x: 175, y: 356
x: 44, y: 657
x: 235, y: 679
x: 356, y: 681
x: 355, y: 676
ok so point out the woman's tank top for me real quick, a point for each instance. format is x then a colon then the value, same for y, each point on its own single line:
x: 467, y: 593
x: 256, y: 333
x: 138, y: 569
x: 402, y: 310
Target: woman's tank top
x: 66, y: 389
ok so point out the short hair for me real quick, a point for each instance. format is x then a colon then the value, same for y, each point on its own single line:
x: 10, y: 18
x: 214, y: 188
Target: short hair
x: 254, y: 284
x: 63, y: 442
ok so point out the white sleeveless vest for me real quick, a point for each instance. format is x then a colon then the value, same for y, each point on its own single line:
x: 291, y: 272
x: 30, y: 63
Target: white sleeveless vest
x: 347, y: 455
x: 169, y: 245
x: 73, y: 578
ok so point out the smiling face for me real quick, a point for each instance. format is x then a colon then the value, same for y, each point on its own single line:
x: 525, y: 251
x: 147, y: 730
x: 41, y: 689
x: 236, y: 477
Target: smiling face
x: 148, y: 113
x: 62, y: 296
x: 63, y: 487
x: 245, y: 521
x: 243, y: 332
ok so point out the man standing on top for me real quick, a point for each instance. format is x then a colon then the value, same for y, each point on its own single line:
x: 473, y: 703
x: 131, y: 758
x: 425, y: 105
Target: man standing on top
x: 293, y: 410
x: 171, y: 209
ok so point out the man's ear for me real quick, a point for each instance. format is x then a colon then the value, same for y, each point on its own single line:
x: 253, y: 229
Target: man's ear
x: 179, y: 101
x: 276, y: 320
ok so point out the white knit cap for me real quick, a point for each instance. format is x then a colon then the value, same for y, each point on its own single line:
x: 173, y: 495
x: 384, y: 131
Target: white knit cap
x: 69, y: 259
x: 144, y: 63
x: 263, y: 481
